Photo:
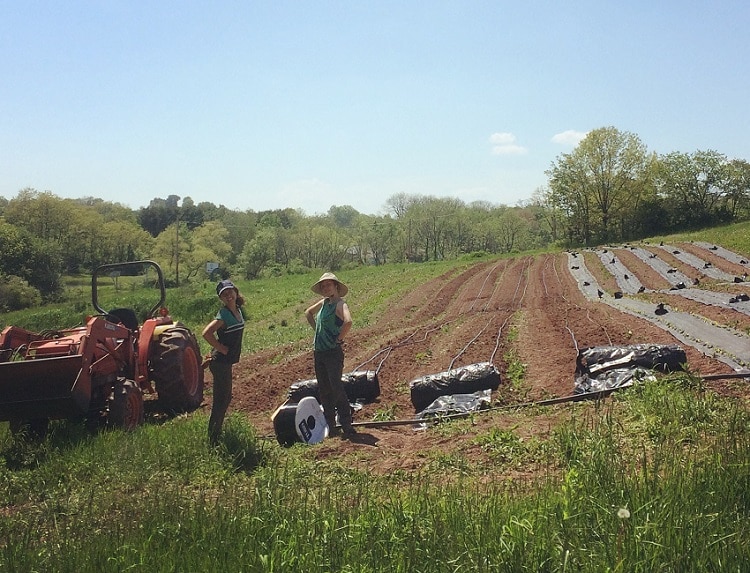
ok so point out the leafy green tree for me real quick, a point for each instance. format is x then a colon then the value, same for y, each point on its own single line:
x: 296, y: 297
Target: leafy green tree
x: 547, y: 218
x: 241, y: 228
x: 108, y: 210
x: 183, y: 253
x: 548, y: 213
x: 85, y: 232
x: 123, y: 241
x: 93, y: 240
x: 35, y: 261
x: 737, y: 188
x: 430, y: 226
x: 376, y: 238
x: 343, y: 217
x: 190, y: 214
x: 596, y: 181
x: 258, y: 253
x: 208, y: 243
x: 693, y: 184
x: 634, y: 219
x: 43, y: 215
x: 285, y: 218
x: 170, y: 250
x: 211, y: 212
x: 82, y: 247
x: 321, y: 246
x: 160, y: 214
x: 512, y: 231
x: 399, y: 205
x: 480, y: 222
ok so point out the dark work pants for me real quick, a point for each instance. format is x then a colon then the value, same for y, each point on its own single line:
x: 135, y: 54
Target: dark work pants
x: 329, y: 366
x: 222, y: 396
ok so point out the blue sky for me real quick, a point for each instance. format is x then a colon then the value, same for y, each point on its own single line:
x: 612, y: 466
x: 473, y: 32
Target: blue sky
x: 307, y: 104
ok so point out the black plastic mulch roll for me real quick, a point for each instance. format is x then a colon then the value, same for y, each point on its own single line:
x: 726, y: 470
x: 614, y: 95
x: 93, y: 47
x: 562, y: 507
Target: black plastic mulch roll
x: 361, y: 386
x: 464, y: 380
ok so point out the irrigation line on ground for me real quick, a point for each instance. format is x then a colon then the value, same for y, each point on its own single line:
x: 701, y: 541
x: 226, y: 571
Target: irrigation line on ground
x: 387, y: 350
x: 588, y: 316
x: 708, y: 377
x: 599, y: 394
x: 489, y: 320
x: 548, y: 402
x: 458, y: 415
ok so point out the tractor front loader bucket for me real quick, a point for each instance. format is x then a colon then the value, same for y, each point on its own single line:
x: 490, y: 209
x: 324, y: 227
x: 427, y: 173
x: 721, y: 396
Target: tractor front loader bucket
x: 51, y: 388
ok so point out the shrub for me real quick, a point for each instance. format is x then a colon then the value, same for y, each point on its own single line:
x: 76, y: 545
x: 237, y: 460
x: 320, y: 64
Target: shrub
x: 17, y: 294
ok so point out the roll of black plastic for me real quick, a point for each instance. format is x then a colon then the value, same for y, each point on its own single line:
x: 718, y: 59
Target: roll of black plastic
x: 301, y: 421
x: 463, y: 380
x: 360, y: 386
x: 283, y: 424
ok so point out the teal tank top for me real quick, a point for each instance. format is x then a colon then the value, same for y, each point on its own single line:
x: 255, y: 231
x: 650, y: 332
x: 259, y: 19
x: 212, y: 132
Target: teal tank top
x: 327, y: 327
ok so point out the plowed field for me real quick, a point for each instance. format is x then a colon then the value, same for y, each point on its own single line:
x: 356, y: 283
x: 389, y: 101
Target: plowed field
x: 534, y: 311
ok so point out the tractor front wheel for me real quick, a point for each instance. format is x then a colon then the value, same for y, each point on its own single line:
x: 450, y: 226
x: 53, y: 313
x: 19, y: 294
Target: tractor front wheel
x: 126, y: 406
x: 177, y: 370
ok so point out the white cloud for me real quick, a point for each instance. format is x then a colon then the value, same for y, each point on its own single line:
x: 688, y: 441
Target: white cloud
x: 570, y: 137
x: 503, y: 138
x: 503, y: 143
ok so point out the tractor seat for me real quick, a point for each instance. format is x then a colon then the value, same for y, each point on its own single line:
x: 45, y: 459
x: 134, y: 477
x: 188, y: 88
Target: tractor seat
x: 124, y: 316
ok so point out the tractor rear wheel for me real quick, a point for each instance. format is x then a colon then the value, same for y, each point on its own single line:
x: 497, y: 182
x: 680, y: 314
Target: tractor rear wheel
x: 177, y: 370
x: 126, y: 406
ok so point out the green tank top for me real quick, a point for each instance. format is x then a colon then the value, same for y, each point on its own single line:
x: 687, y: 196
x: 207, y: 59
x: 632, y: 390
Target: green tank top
x: 327, y: 327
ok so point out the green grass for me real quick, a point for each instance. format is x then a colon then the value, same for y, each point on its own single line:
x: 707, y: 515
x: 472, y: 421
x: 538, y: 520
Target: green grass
x: 610, y: 496
x: 735, y: 237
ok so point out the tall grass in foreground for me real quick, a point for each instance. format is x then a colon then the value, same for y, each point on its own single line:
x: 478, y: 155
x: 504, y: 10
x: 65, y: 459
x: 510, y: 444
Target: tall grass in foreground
x: 656, y: 480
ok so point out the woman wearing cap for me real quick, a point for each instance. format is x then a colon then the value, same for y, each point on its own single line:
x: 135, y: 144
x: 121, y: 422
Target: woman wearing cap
x: 332, y: 321
x: 224, y: 334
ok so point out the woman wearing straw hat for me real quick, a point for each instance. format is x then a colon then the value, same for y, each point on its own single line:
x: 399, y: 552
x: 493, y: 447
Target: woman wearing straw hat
x: 332, y: 321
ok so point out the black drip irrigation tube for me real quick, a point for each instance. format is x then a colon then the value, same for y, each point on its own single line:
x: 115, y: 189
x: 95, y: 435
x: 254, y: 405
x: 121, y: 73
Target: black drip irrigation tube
x: 435, y: 327
x: 445, y: 417
x: 599, y: 394
x: 709, y: 377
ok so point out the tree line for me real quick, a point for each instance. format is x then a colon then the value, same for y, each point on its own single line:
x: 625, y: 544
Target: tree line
x: 609, y: 188
x: 44, y: 237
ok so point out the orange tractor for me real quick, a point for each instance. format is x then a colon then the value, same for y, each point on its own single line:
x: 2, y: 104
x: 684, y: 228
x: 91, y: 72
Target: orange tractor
x: 99, y: 372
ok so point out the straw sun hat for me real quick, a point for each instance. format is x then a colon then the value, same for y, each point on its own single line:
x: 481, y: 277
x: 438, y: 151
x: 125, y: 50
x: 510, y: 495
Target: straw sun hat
x: 316, y: 288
